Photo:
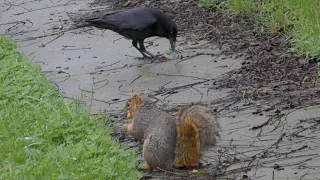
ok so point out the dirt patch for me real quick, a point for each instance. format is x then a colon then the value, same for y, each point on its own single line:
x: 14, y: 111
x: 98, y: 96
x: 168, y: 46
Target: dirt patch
x: 270, y: 72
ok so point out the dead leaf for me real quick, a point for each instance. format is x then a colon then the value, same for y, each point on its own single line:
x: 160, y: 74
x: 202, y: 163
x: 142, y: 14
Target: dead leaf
x: 128, y: 3
x: 42, y: 45
x: 194, y: 171
x: 131, y: 4
x: 225, y: 165
x: 165, y: 57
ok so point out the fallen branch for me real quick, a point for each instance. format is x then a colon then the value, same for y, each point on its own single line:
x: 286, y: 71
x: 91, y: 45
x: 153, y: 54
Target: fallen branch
x: 261, y: 125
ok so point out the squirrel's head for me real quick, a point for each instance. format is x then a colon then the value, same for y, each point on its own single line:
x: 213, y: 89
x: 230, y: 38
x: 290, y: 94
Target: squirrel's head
x: 133, y: 104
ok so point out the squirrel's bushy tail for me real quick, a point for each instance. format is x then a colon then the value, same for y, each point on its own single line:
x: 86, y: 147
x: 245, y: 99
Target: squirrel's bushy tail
x: 208, y: 125
x: 188, y: 144
x: 197, y: 130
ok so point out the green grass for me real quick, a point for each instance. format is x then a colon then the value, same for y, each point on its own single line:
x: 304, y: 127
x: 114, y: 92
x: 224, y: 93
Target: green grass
x: 42, y: 136
x: 303, y: 15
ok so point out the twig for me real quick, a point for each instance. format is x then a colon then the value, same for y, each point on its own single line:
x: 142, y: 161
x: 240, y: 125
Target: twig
x: 102, y: 85
x: 70, y: 49
x: 227, y: 106
x: 178, y: 87
x: 272, y: 175
x: 15, y: 22
x: 304, y: 175
x: 162, y: 87
x: 100, y: 81
x: 261, y: 125
x: 54, y: 39
x: 83, y: 90
x: 159, y: 74
x: 100, y: 67
x: 43, y: 8
x: 306, y: 128
x: 63, y: 72
x: 274, y: 144
x: 135, y: 80
x: 295, y: 150
x: 277, y: 142
x: 116, y: 39
x: 34, y: 38
x: 195, y: 55
x: 67, y: 2
x: 123, y: 90
x: 10, y: 5
x: 101, y: 101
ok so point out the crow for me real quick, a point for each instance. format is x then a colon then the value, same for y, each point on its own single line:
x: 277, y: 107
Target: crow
x: 137, y: 24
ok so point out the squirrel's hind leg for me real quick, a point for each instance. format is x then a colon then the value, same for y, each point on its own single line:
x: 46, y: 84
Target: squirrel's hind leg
x: 145, y: 167
x: 128, y: 127
x: 182, y: 166
x: 156, y: 153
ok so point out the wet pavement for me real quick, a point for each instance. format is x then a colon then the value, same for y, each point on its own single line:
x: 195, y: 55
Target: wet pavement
x: 102, y: 68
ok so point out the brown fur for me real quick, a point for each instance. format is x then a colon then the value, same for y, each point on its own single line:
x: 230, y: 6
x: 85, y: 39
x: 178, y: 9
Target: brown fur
x: 197, y: 130
x: 188, y: 145
x: 131, y: 107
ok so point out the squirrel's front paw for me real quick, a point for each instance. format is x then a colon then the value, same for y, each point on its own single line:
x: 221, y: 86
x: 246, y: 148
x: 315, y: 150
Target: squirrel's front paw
x: 178, y: 166
x: 128, y: 127
x: 144, y: 167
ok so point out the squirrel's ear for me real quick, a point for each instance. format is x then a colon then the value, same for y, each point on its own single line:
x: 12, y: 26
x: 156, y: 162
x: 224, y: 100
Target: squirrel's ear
x: 133, y: 98
x: 141, y: 94
x: 137, y: 101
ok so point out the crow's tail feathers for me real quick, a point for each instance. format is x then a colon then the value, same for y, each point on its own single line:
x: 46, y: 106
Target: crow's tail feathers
x: 95, y: 22
x: 81, y: 25
x: 100, y: 23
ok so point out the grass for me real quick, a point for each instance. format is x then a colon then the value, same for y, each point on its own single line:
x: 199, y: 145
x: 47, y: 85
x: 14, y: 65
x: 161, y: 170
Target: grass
x: 42, y: 136
x: 303, y: 18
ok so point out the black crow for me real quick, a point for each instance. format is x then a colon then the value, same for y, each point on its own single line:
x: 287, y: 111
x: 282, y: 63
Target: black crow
x: 137, y: 24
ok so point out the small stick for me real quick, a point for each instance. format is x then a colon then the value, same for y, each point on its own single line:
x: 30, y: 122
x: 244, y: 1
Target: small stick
x: 135, y: 80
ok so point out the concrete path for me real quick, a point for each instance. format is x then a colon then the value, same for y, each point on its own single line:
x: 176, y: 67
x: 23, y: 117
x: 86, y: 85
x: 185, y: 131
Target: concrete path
x: 86, y: 62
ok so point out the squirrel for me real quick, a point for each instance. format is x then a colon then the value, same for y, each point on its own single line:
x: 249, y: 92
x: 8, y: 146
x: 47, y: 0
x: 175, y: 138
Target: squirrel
x: 156, y: 128
x: 170, y: 141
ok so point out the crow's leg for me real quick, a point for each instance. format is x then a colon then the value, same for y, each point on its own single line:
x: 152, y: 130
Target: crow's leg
x: 135, y: 44
x: 143, y: 49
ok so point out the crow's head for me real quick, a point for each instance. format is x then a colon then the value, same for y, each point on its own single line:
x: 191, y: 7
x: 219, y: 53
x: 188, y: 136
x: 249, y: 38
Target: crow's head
x: 172, y: 36
x: 167, y: 28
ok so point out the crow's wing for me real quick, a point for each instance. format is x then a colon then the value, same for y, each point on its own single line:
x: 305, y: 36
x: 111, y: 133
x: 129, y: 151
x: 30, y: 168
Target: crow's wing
x: 138, y: 19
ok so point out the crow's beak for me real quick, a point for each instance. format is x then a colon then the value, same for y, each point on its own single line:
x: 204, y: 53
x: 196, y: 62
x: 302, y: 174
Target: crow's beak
x: 172, y: 43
